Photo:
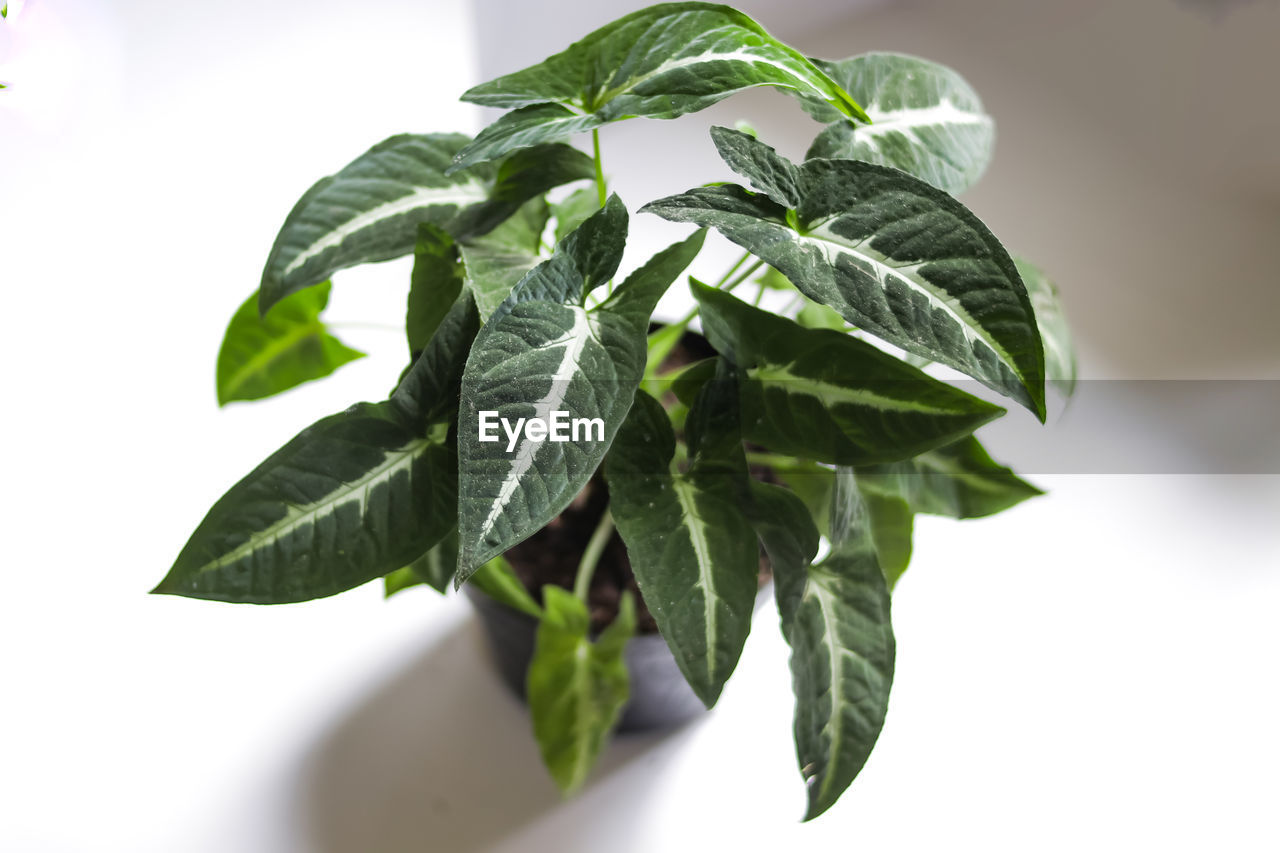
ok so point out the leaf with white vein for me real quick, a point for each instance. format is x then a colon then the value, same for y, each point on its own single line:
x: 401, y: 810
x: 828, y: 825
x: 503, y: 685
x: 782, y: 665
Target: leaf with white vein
x: 925, y: 120
x: 370, y: 210
x: 659, y: 62
x: 261, y: 356
x: 893, y: 255
x: 576, y: 687
x: 842, y: 659
x: 542, y: 352
x: 823, y: 395
x: 351, y: 498
x: 690, y: 543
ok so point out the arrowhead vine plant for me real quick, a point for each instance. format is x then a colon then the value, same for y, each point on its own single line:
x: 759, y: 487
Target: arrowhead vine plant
x: 812, y: 436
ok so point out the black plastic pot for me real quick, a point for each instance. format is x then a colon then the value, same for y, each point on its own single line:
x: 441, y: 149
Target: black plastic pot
x: 660, y: 697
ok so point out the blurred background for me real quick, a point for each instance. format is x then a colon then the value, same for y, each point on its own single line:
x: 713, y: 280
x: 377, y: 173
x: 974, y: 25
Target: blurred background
x: 1094, y: 669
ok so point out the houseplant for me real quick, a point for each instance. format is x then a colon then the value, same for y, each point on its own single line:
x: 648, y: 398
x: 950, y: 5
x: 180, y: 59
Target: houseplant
x: 534, y: 380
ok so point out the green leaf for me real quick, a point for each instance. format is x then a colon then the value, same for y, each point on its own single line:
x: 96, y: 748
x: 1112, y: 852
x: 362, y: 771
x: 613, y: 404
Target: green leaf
x: 351, y: 498
x: 691, y: 546
x: 659, y: 62
x: 576, y: 688
x: 540, y: 353
x: 370, y: 210
x: 262, y: 356
x: 960, y: 481
x: 890, y: 523
x: 495, y: 262
x: 894, y: 256
x: 400, y: 580
x: 925, y: 120
x: 790, y: 538
x: 842, y: 657
x: 829, y: 397
x: 574, y: 210
x: 497, y: 580
x: 434, y: 285
x: 1059, y: 351
x: 435, y: 568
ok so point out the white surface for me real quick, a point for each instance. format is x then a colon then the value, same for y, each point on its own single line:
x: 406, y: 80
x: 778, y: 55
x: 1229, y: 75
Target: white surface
x: 1094, y: 670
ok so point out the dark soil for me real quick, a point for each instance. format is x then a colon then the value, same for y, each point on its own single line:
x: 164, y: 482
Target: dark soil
x: 552, y: 555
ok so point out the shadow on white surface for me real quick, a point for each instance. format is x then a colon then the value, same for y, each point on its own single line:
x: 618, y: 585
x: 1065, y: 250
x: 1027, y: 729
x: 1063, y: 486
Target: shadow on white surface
x: 439, y: 757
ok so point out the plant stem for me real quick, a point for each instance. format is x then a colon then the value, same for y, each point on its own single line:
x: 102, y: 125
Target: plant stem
x: 733, y: 269
x: 746, y: 274
x: 591, y: 556
x: 601, y: 192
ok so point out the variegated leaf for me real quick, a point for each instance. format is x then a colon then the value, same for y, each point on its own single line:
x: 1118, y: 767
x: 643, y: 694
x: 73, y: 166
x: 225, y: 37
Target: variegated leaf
x: 659, y: 62
x: 370, y: 210
x: 825, y: 396
x: 691, y: 545
x: 542, y: 353
x: 925, y: 120
x: 351, y: 498
x: 895, y: 256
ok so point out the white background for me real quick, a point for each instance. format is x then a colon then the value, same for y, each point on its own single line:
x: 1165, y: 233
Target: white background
x: 1093, y: 670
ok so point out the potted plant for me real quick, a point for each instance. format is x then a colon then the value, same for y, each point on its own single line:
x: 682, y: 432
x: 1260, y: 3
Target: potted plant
x: 539, y: 410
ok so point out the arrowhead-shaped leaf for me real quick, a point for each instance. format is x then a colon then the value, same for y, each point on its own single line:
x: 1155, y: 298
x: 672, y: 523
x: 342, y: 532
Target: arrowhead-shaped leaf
x: 691, y: 545
x: 351, y: 498
x: 264, y: 355
x: 576, y: 687
x: 925, y: 120
x: 659, y: 62
x: 826, y: 396
x: 896, y: 257
x: 542, y: 352
x: 842, y: 654
x: 370, y: 210
x: 1059, y: 351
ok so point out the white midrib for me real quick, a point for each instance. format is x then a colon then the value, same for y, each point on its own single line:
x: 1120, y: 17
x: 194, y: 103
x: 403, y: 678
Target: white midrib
x: 832, y: 395
x: 469, y: 193
x: 702, y: 553
x: 357, y: 490
x: 573, y: 341
x: 836, y: 721
x: 906, y: 121
x: 832, y: 245
x: 686, y: 61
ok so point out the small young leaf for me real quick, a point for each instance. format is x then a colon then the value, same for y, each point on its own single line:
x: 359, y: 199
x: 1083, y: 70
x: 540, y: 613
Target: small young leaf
x: 262, y: 356
x: 400, y: 580
x: 925, y: 120
x: 659, y: 62
x: 896, y: 257
x: 497, y: 580
x: 576, y: 688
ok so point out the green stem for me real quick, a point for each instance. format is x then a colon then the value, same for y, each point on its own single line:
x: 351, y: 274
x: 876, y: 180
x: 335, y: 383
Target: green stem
x: 733, y: 269
x: 601, y: 192
x: 591, y: 556
x: 746, y: 274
